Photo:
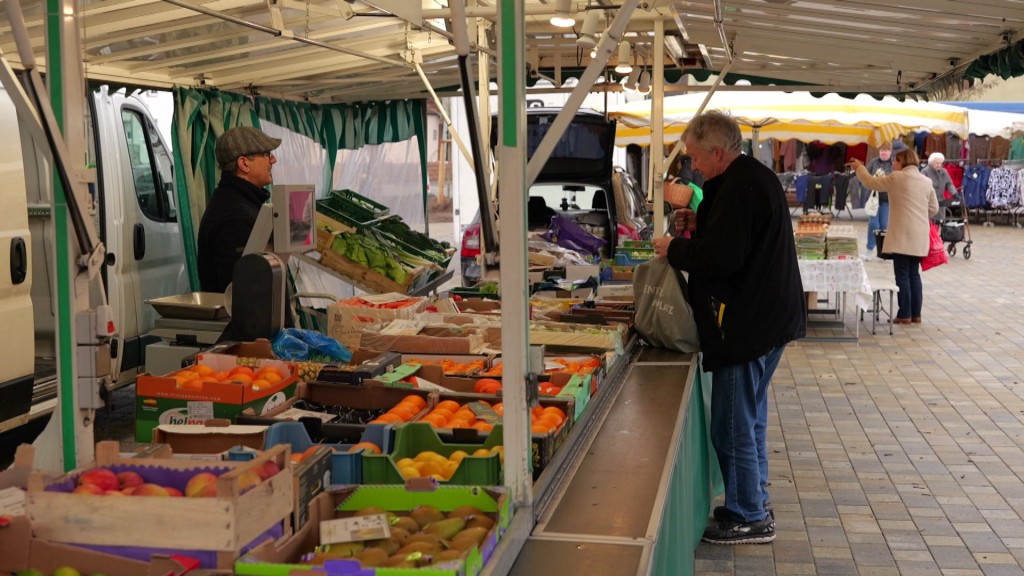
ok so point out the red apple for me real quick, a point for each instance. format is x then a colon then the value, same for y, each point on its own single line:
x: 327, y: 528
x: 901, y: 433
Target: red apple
x: 173, y: 492
x: 129, y: 490
x: 100, y: 477
x: 88, y: 489
x: 128, y: 479
x: 198, y: 484
x: 150, y: 490
x: 247, y: 481
x: 267, y: 470
x: 114, y: 493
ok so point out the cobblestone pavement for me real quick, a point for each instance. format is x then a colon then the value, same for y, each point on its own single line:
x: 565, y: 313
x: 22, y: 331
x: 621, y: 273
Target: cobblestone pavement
x: 902, y: 454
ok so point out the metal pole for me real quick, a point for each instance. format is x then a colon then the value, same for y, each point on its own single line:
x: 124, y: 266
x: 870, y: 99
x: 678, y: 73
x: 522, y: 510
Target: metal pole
x: 444, y: 115
x: 658, y: 128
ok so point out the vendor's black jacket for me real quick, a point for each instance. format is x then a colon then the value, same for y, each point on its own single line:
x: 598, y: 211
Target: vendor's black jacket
x: 225, y: 228
x: 743, y: 255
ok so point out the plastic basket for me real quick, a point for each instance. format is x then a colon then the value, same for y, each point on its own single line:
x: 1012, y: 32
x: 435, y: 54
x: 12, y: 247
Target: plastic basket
x: 346, y: 466
x: 416, y: 437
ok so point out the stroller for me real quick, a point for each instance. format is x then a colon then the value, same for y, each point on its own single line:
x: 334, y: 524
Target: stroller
x: 953, y: 225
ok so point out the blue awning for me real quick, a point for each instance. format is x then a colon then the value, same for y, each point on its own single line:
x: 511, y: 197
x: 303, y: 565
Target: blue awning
x: 1014, y: 107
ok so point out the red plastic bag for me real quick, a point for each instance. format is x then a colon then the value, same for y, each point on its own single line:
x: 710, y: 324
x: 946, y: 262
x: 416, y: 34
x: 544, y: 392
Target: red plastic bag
x: 936, y: 251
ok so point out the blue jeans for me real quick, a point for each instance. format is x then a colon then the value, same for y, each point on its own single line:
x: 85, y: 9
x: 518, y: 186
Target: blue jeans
x: 739, y: 432
x: 879, y: 221
x: 908, y: 277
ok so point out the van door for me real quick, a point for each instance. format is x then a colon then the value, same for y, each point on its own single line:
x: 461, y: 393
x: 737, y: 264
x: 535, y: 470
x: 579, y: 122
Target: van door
x: 138, y: 221
x: 16, y: 338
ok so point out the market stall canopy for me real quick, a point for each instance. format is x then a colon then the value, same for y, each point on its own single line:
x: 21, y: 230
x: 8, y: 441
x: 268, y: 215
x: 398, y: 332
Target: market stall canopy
x: 342, y: 51
x: 991, y: 123
x: 798, y: 115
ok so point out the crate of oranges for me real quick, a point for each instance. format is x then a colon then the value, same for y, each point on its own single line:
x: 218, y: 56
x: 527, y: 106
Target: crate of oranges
x: 215, y: 387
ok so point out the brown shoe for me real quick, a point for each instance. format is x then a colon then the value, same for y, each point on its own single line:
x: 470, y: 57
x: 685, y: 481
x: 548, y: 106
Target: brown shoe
x: 901, y: 320
x: 916, y: 320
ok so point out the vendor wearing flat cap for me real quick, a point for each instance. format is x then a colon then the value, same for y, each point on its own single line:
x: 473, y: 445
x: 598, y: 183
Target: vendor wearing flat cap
x: 246, y: 159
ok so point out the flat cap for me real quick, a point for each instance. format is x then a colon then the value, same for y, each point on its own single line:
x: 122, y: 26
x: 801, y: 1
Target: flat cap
x: 242, y: 141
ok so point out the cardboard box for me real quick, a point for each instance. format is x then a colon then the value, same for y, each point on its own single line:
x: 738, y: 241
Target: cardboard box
x: 211, y: 437
x: 615, y: 291
x: 279, y: 558
x: 20, y: 551
x: 214, y: 530
x: 432, y: 339
x: 364, y: 364
x: 577, y: 337
x: 159, y: 400
x: 345, y: 321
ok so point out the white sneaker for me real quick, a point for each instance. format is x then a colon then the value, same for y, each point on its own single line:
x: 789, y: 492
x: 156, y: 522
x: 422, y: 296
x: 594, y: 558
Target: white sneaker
x: 867, y: 256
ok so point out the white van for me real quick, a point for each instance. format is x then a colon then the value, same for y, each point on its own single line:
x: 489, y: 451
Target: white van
x: 132, y: 203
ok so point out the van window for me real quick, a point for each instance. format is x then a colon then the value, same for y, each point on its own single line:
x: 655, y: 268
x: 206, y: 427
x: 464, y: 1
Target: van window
x: 151, y: 167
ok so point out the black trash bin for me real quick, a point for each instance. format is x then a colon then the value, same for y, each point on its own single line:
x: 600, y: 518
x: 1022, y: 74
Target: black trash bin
x: 879, y: 243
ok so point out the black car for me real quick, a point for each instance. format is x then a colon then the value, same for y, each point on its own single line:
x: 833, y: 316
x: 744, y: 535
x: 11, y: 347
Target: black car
x: 579, y: 182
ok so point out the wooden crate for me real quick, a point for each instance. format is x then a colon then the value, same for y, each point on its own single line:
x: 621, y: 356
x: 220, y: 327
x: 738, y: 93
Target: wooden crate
x: 223, y: 524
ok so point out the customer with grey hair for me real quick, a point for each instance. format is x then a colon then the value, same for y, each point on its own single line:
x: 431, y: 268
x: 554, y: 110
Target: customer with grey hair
x: 748, y: 303
x: 941, y: 181
x: 246, y: 160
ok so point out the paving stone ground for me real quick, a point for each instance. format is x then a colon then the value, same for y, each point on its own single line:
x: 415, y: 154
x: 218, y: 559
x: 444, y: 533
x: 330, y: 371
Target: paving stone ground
x: 904, y: 454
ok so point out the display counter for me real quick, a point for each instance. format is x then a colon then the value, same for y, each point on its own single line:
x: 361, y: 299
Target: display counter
x: 634, y: 491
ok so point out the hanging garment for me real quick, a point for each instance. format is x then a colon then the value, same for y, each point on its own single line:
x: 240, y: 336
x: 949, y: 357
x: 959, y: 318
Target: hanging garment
x: 1003, y: 190
x: 1017, y: 148
x: 819, y: 191
x: 841, y: 185
x: 978, y: 148
x: 800, y: 184
x: 954, y: 146
x: 956, y: 174
x: 999, y: 148
x: 934, y: 143
x: 975, y: 184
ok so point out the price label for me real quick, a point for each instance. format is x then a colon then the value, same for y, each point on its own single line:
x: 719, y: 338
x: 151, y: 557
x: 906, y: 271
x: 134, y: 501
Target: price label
x: 372, y: 527
x: 200, y: 411
x: 12, y: 502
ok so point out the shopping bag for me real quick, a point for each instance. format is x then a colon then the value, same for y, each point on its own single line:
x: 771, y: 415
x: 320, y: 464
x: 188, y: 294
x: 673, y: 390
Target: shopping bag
x: 936, y: 251
x: 663, y: 316
x: 871, y: 205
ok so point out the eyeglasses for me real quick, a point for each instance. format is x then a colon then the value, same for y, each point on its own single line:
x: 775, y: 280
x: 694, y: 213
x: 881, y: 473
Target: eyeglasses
x: 267, y: 155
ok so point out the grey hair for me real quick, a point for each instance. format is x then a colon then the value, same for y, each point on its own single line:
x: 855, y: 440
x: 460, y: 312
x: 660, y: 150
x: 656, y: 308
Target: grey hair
x: 936, y: 156
x: 715, y: 128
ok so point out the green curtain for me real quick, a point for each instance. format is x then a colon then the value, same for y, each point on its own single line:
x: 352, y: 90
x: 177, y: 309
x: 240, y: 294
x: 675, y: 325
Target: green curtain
x: 202, y: 115
x: 1006, y: 63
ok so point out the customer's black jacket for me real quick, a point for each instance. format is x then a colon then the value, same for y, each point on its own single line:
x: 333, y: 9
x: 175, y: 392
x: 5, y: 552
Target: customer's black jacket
x: 744, y: 256
x: 224, y: 230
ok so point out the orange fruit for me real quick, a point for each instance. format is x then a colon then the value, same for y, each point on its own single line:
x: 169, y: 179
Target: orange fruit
x: 370, y: 447
x: 539, y: 428
x: 435, y: 420
x: 184, y: 376
x: 242, y: 370
x: 482, y: 426
x: 414, y: 408
x: 458, y: 423
x: 556, y: 411
x: 465, y: 414
x: 271, y: 377
x: 449, y: 405
x: 202, y: 370
x: 241, y: 377
x: 552, y: 421
x: 499, y: 409
x: 414, y: 399
x: 260, y: 384
x: 443, y: 412
x: 191, y: 384
x: 484, y: 384
x: 220, y: 375
x: 269, y: 370
x: 386, y: 418
x: 402, y: 412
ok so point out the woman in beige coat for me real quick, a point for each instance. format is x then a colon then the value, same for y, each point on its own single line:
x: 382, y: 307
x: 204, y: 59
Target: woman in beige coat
x: 912, y: 204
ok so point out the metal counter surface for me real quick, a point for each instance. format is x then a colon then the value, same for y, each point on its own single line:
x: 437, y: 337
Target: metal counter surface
x: 600, y: 521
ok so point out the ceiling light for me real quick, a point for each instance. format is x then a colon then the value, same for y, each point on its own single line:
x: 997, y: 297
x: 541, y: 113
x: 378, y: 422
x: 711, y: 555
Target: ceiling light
x: 588, y: 34
x: 625, y: 55
x: 644, y: 87
x: 562, y: 17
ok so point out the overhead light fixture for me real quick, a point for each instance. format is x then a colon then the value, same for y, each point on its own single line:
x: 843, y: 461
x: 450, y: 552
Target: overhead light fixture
x: 563, y: 18
x: 625, y: 55
x: 644, y: 87
x: 631, y: 80
x: 588, y: 34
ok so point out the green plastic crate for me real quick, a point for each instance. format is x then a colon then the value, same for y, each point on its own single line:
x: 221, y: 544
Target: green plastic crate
x: 416, y: 437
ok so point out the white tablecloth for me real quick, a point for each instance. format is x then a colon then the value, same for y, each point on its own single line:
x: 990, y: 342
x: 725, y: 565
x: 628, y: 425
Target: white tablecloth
x: 837, y: 276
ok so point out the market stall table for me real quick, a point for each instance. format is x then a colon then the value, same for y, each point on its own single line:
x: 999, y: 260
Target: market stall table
x: 837, y: 277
